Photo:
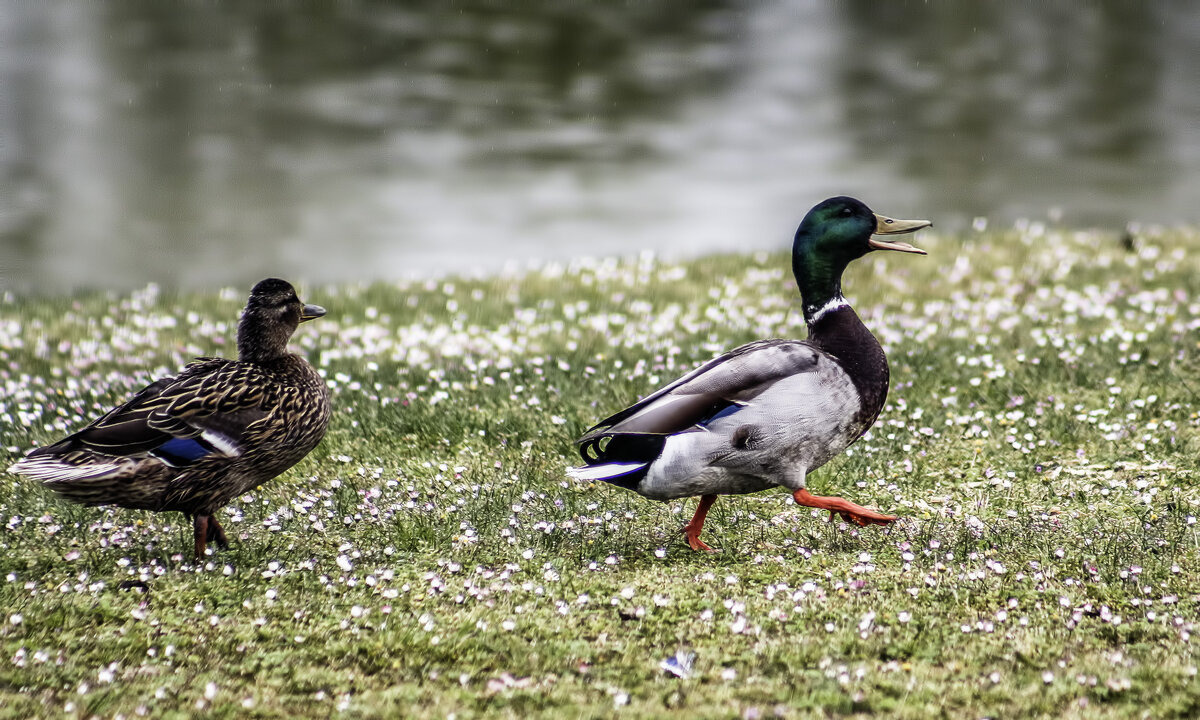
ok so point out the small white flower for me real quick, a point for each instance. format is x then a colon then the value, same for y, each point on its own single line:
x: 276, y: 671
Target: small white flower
x: 679, y: 664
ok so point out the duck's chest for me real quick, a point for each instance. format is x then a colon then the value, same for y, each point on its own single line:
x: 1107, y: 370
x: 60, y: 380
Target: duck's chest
x: 842, y: 335
x: 298, y: 412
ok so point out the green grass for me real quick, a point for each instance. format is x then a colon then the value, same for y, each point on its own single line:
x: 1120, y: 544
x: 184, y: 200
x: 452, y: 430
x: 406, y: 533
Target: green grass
x: 431, y: 558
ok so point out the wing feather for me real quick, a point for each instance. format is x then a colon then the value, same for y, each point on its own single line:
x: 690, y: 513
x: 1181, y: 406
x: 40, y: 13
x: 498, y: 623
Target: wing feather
x: 209, y: 399
x: 735, y: 378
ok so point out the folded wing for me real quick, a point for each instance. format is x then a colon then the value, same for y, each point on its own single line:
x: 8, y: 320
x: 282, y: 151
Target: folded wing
x: 208, y: 409
x: 631, y: 439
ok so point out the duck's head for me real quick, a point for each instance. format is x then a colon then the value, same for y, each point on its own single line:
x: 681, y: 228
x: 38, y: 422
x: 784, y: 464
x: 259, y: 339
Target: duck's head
x: 272, y: 314
x: 842, y: 229
x: 836, y: 232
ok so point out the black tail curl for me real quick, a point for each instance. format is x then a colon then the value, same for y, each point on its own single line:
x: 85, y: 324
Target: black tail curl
x: 621, y: 447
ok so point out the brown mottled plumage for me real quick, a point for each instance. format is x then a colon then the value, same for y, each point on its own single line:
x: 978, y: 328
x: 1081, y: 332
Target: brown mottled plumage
x: 196, y: 441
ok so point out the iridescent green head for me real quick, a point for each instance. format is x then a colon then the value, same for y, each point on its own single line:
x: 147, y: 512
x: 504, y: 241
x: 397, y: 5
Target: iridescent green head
x: 834, y: 233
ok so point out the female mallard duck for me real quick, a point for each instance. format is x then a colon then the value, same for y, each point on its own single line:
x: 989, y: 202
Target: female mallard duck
x: 197, y: 440
x: 770, y: 412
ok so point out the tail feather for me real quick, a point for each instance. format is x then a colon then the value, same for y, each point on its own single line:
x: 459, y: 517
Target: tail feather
x: 622, y: 459
x: 96, y: 479
x: 607, y: 472
x: 51, y: 470
x: 610, y: 447
x: 626, y: 475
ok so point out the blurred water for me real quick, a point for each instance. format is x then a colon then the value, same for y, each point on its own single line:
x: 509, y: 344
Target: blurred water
x: 198, y: 144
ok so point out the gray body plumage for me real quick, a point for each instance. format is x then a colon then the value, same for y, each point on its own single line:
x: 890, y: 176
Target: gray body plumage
x: 788, y: 409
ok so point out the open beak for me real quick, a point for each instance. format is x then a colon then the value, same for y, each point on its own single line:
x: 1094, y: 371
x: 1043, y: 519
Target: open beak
x: 311, y: 312
x: 891, y: 226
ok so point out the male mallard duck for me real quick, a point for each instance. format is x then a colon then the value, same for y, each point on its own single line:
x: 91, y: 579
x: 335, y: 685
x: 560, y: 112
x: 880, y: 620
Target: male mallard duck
x: 769, y: 412
x: 197, y: 440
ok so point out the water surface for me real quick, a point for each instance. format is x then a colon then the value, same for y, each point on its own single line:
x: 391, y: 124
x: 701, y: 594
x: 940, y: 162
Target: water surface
x: 203, y: 145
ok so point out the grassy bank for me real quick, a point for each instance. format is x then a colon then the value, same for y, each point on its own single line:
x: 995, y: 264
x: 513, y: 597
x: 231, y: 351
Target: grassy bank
x: 431, y: 558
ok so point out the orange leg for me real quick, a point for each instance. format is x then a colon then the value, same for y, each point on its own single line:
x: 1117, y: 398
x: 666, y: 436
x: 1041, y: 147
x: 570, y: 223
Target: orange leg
x: 850, y: 512
x: 216, y: 533
x: 206, y: 529
x: 692, y: 530
x: 200, y: 532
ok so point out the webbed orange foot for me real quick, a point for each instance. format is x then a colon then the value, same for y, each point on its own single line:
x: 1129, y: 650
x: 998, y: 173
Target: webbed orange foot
x: 849, y: 511
x: 691, y: 531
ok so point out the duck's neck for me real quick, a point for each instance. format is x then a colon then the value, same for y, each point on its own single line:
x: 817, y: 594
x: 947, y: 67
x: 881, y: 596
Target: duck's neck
x: 820, y: 281
x: 835, y: 328
x: 262, y: 342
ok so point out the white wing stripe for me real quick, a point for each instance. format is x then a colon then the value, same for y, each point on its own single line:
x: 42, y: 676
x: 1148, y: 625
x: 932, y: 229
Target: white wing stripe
x: 223, y: 443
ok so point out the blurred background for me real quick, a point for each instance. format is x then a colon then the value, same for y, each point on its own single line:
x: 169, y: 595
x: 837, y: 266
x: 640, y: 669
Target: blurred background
x: 200, y: 144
